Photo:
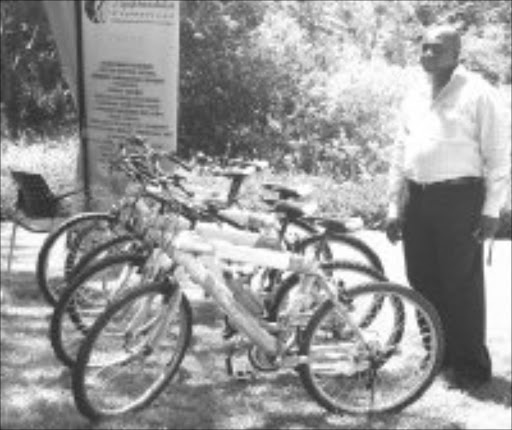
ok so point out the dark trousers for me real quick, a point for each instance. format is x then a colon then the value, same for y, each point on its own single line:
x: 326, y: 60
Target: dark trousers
x: 444, y: 262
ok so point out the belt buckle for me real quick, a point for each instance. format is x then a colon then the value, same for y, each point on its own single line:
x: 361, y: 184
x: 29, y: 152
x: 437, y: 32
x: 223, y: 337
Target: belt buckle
x: 422, y: 185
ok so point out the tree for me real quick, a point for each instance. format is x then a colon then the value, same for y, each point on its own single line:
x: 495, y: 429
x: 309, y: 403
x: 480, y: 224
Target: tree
x: 33, y: 93
x: 311, y: 79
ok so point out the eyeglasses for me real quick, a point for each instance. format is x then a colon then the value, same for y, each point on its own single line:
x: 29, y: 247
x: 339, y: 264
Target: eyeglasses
x: 435, y: 48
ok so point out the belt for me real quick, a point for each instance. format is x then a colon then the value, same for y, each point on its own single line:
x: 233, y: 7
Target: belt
x: 465, y: 180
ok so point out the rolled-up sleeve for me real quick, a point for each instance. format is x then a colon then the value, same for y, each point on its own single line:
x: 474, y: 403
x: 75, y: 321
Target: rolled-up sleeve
x: 494, y: 134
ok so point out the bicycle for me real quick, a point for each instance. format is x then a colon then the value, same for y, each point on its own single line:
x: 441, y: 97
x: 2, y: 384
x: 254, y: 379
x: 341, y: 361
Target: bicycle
x: 71, y: 305
x: 73, y: 314
x: 334, y: 348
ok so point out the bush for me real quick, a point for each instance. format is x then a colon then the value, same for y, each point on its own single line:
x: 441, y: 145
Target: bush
x: 338, y: 199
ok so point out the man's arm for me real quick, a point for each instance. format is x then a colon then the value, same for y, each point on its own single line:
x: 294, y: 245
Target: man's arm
x: 495, y: 150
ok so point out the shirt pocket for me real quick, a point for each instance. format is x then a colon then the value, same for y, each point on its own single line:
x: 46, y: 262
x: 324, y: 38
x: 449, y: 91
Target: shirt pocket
x: 457, y: 120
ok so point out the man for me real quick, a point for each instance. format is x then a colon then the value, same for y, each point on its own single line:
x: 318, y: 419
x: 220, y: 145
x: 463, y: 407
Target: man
x: 448, y: 181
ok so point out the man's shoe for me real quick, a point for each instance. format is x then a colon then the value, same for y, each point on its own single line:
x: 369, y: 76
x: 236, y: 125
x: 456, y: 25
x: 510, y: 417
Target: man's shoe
x: 465, y: 381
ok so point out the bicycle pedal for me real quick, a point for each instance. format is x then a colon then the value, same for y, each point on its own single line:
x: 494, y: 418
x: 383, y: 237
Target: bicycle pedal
x: 238, y: 372
x: 228, y: 331
x: 228, y: 362
x: 244, y: 375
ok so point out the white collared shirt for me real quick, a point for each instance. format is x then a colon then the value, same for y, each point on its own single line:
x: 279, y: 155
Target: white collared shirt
x: 463, y: 132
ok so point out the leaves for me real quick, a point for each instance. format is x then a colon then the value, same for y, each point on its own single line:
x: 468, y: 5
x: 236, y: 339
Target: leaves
x: 271, y: 78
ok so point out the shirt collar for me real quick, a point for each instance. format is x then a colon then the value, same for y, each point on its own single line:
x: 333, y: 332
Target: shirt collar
x: 459, y: 75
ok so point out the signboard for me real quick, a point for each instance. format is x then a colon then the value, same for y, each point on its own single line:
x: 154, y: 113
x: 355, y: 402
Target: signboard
x: 130, y: 53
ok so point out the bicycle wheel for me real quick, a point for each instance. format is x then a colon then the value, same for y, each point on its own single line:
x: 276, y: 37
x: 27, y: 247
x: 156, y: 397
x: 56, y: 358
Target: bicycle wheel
x: 87, y: 296
x: 345, y: 375
x: 339, y: 246
x: 132, y: 351
x: 51, y: 261
x: 124, y: 244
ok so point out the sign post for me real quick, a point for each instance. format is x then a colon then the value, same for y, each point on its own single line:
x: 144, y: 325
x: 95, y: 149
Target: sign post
x: 83, y: 163
x: 129, y: 82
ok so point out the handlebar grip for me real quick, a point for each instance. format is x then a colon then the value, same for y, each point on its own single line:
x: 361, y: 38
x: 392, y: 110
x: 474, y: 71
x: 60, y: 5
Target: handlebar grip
x: 175, y: 159
x: 137, y: 141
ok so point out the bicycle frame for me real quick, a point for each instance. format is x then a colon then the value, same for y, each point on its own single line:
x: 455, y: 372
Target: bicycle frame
x: 197, y: 257
x: 203, y: 269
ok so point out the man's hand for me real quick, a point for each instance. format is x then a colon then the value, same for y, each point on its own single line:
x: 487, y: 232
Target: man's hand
x: 394, y: 229
x: 487, y: 228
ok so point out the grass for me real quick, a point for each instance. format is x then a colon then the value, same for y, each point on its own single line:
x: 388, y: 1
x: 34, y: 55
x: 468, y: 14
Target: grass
x: 35, y: 387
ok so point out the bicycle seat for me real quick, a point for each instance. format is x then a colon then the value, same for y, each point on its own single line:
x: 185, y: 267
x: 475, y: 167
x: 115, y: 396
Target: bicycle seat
x: 234, y: 172
x: 289, y: 192
x: 210, y: 200
x: 294, y: 209
x: 338, y: 225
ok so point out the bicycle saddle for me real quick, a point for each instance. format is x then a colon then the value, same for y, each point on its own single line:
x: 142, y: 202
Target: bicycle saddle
x: 295, y: 209
x: 234, y: 172
x: 289, y: 192
x: 338, y: 225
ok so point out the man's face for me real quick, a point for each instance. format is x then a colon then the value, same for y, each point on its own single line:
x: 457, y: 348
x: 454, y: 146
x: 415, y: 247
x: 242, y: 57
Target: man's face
x: 438, y: 53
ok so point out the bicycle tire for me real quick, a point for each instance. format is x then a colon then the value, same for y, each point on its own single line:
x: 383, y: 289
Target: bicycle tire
x: 43, y: 257
x: 84, y: 397
x: 430, y: 363
x: 111, y: 247
x: 64, y: 339
x: 322, y: 245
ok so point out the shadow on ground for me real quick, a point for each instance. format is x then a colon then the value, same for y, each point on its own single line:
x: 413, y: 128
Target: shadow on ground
x: 498, y: 390
x: 35, y: 387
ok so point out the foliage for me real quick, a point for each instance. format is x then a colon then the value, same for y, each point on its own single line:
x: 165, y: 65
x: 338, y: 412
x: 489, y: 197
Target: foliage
x: 224, y: 91
x: 311, y: 85
x: 34, y: 96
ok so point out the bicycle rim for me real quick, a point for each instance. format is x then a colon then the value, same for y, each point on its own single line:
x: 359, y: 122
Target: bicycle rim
x: 344, y: 378
x: 51, y: 263
x: 120, y: 367
x: 87, y: 297
x: 86, y: 241
x: 124, y: 244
